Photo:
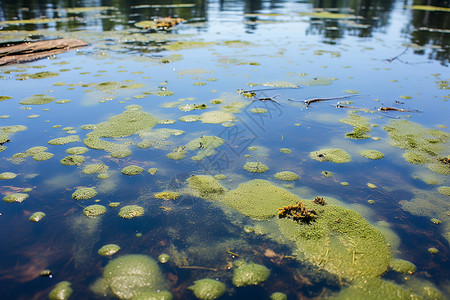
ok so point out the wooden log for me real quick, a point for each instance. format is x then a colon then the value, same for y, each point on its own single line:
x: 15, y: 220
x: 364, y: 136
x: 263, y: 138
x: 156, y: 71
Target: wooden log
x: 30, y: 51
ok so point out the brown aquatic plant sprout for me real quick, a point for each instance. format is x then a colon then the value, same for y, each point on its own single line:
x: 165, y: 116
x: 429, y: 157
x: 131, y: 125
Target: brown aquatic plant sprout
x: 298, y: 213
x: 320, y: 201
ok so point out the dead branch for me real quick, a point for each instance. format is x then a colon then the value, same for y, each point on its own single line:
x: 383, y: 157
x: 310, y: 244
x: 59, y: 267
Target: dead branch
x: 309, y: 101
x: 397, y: 57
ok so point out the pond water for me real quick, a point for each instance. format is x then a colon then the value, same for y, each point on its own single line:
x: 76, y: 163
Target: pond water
x: 190, y: 106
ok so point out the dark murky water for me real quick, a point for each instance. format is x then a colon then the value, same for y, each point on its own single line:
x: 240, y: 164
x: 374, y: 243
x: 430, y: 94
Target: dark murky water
x: 368, y: 56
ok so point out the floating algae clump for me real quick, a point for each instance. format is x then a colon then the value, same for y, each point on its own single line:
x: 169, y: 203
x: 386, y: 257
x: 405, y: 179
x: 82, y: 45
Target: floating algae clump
x: 167, y: 195
x: 128, y: 276
x: 371, y: 154
x: 216, y: 117
x: 164, y: 258
x: 256, y: 167
x: 94, y: 210
x: 41, y: 156
x: 15, y: 197
x: 286, y: 176
x: 77, y: 150
x: 421, y: 145
x: 131, y: 121
x: 132, y: 170
x: 37, y: 100
x: 84, y: 193
x: 108, y: 250
x: 334, y: 155
x: 7, y: 175
x: 258, y: 199
x: 35, y: 150
x: 72, y: 160
x: 208, y: 289
x: 278, y: 296
x: 131, y: 211
x: 95, y: 168
x: 61, y: 291
x: 360, y: 125
x: 37, y: 216
x: 402, y: 266
x: 444, y: 190
x: 250, y: 274
x: 65, y: 140
x: 6, y: 131
x: 340, y: 241
x: 206, y: 146
x: 207, y: 186
x: 177, y: 153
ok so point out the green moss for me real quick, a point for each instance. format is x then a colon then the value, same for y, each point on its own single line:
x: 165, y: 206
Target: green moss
x: 164, y: 258
x: 436, y: 221
x: 61, y: 291
x: 427, y: 204
x: 344, y: 183
x: 371, y: 154
x: 41, y: 156
x: 37, y: 216
x: 37, y: 100
x: 250, y: 274
x: 77, y: 150
x: 190, y: 107
x: 181, y: 45
x: 132, y: 170
x: 108, y: 250
x: 258, y: 199
x: 15, y: 197
x: 340, y: 241
x: 127, y: 276
x: 402, y: 266
x: 207, y: 186
x: 65, y: 140
x: 94, y: 210
x: 286, y: 176
x: 333, y: 155
x: 216, y: 117
x: 131, y: 211
x: 208, y: 289
x: 84, y: 193
x: 7, y: 175
x: 256, y: 167
x: 444, y: 190
x: 72, y: 160
x: 103, y: 176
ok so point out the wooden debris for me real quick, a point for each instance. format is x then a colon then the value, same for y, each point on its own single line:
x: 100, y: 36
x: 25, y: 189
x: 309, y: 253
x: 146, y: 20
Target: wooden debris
x: 30, y: 51
x: 309, y: 101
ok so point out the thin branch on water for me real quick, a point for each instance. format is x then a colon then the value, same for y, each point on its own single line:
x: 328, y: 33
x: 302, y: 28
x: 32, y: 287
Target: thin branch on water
x: 309, y: 101
x: 389, y: 60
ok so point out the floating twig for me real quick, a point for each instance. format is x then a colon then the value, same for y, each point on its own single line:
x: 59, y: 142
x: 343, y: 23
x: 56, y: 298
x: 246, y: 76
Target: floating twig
x: 309, y: 101
x: 396, y: 109
x: 397, y: 57
x: 233, y: 254
x: 198, y: 268
x: 266, y: 99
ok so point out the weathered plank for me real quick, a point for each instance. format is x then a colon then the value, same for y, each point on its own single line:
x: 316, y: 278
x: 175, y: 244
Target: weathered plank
x: 30, y: 51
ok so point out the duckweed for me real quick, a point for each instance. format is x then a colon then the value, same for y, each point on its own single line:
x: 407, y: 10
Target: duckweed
x: 84, y: 193
x: 250, y: 274
x: 7, y: 175
x: 62, y: 291
x: 371, y: 154
x: 208, y: 289
x: 15, y: 197
x: 3, y: 98
x: 131, y: 211
x: 286, y: 176
x: 333, y: 155
x: 35, y: 150
x: 94, y: 210
x: 108, y: 250
x: 37, y: 216
x: 220, y: 177
x: 132, y: 170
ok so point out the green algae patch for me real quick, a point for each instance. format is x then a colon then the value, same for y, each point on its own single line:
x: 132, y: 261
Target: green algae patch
x: 164, y: 258
x: 256, y: 167
x: 340, y: 241
x: 94, y: 210
x: 132, y: 121
x: 280, y: 84
x: 205, y: 145
x: 7, y: 175
x: 429, y: 8
x: 177, y: 153
x: 152, y: 171
x: 319, y: 81
x: 5, y: 133
x: 84, y: 193
x: 189, y: 118
x: 421, y: 145
x: 15, y: 197
x: 444, y: 190
x: 402, y: 266
x: 130, y: 275
x: 206, y: 186
x: 371, y: 154
x: 327, y: 174
x: 35, y: 150
x: 72, y: 160
x: 37, y: 100
x: 328, y: 15
x: 65, y: 140
x: 333, y: 155
x: 278, y: 296
x: 62, y: 291
x: 258, y: 199
x: 37, y: 216
x: 95, y: 168
x: 208, y: 289
x: 41, y: 156
x: 285, y: 150
x: 108, y: 250
x: 286, y: 176
x: 42, y: 75
x: 250, y: 274
x: 77, y: 150
x: 361, y: 126
x: 132, y: 170
x: 183, y: 45
x: 131, y: 211
x: 258, y: 110
x: 217, y: 117
x: 167, y: 195
x: 3, y: 98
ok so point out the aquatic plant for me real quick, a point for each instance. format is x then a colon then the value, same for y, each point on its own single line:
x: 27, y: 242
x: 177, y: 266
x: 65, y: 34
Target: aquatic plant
x: 108, y: 250
x: 297, y: 212
x: 15, y: 197
x: 131, y: 211
x: 37, y: 216
x: 7, y: 175
x: 208, y: 289
x: 132, y: 170
x: 84, y: 193
x: 250, y: 274
x: 41, y: 156
x: 402, y: 266
x: 65, y: 140
x: 286, y: 176
x: 278, y: 296
x: 371, y: 154
x: 206, y: 186
x: 164, y: 258
x: 94, y: 210
x: 255, y: 167
x: 37, y: 100
x: 216, y: 117
x: 62, y: 291
x: 167, y: 195
x: 72, y: 160
x: 333, y: 155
